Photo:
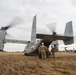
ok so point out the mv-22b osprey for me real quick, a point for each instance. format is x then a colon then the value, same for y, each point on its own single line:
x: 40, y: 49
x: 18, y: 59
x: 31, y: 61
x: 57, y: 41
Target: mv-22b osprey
x: 33, y: 45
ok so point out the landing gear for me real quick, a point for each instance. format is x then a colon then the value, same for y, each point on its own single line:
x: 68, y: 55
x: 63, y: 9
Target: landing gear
x: 1, y: 50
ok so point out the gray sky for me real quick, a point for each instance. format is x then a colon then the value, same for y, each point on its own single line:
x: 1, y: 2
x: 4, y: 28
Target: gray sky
x: 47, y: 11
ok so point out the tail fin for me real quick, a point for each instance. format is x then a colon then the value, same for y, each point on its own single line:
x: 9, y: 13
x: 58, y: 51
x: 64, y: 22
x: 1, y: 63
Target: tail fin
x: 68, y: 29
x: 69, y: 32
x: 33, y: 34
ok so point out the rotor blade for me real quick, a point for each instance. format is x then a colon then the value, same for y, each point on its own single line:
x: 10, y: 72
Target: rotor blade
x: 52, y: 27
x: 17, y: 20
x: 8, y: 35
x: 14, y: 22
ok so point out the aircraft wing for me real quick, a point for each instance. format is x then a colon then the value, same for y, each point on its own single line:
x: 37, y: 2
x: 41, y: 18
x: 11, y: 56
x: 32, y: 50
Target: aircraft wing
x: 16, y: 41
x: 53, y: 37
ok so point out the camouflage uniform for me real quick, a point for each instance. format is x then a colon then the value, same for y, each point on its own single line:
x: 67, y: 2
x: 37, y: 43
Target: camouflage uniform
x: 42, y: 51
x: 53, y: 52
x: 39, y: 53
x: 47, y: 52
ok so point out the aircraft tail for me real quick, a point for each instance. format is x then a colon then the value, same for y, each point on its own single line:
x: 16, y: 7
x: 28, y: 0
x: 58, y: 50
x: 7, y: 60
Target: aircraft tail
x: 68, y: 29
x: 69, y: 32
x: 33, y: 34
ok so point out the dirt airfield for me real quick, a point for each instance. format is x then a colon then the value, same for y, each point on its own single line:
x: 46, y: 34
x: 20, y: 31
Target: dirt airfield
x: 18, y: 64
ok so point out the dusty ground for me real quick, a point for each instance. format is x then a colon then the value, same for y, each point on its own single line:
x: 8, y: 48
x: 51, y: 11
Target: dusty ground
x: 18, y: 64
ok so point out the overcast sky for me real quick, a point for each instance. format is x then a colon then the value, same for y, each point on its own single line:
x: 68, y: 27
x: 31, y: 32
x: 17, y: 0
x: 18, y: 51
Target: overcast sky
x: 47, y: 11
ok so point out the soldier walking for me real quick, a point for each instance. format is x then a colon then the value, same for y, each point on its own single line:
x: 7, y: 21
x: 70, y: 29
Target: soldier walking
x: 53, y: 51
x: 42, y: 51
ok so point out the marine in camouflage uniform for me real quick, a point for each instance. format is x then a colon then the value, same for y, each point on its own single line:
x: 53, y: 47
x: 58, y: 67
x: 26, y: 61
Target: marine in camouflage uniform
x: 42, y: 51
x: 53, y: 50
x: 47, y: 52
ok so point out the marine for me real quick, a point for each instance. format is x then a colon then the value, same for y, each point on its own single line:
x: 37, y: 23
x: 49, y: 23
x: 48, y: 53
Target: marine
x: 53, y: 50
x: 42, y: 51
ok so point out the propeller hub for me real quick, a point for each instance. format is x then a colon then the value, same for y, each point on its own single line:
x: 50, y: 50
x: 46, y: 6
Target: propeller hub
x: 54, y: 33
